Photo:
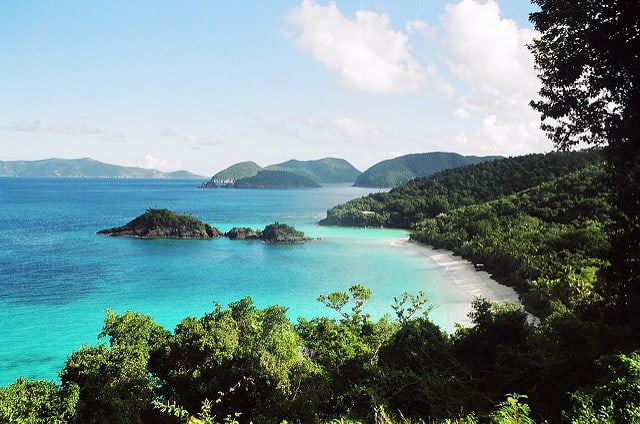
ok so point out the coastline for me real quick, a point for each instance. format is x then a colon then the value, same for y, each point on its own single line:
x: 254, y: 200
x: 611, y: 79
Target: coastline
x: 465, y: 284
x: 462, y: 274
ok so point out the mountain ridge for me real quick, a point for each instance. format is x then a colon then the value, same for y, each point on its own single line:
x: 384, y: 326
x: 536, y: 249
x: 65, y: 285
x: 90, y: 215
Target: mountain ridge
x: 310, y: 173
x: 83, y: 168
x: 394, y: 172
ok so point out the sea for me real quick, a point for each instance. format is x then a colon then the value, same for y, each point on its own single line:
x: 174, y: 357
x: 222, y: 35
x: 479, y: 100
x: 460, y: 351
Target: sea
x: 58, y: 277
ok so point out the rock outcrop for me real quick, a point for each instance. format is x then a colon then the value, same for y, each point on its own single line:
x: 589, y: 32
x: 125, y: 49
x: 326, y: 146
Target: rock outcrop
x: 282, y: 233
x: 163, y: 223
x: 243, y: 233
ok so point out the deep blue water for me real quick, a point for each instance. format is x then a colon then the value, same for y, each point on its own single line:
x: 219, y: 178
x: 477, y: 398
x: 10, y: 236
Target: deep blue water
x: 57, y: 276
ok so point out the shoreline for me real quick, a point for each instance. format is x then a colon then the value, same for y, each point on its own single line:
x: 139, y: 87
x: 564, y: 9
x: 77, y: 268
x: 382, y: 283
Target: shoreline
x: 462, y: 273
x: 466, y: 284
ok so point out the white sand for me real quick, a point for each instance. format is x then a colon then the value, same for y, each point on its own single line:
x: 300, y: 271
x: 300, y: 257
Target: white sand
x: 459, y: 284
x: 463, y: 274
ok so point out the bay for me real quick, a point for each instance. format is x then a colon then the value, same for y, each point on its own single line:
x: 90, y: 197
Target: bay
x: 57, y: 277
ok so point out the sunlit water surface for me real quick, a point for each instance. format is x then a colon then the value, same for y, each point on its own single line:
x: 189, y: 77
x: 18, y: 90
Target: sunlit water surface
x: 57, y: 276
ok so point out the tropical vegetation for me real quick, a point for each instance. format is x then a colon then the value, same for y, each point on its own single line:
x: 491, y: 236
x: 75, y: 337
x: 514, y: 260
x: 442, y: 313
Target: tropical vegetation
x: 563, y: 228
x: 397, y: 171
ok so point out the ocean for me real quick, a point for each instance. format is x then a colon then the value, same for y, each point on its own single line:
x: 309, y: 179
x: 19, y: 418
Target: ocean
x: 57, y: 277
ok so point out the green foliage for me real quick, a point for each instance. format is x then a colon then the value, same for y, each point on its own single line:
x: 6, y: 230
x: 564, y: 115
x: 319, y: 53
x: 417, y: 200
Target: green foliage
x: 548, y: 242
x: 590, y: 96
x: 346, y: 351
x: 280, y: 232
x: 163, y: 223
x: 240, y: 343
x: 416, y: 302
x: 29, y: 401
x: 422, y: 198
x: 327, y: 170
x: 237, y: 171
x: 275, y: 179
x: 512, y: 411
x: 244, y: 363
x: 616, y: 399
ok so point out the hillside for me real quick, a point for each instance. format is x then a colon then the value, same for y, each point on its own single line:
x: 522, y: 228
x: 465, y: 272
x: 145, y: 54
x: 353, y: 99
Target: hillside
x: 275, y: 179
x: 421, y: 198
x: 327, y: 170
x: 82, y: 168
x: 536, y: 222
x: 237, y: 171
x: 397, y: 171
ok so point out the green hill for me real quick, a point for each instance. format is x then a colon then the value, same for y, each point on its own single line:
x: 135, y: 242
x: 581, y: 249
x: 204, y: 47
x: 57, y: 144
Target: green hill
x: 239, y: 170
x: 327, y: 170
x: 275, y: 179
x: 393, y: 172
x: 536, y: 222
x: 420, y: 198
x: 82, y: 168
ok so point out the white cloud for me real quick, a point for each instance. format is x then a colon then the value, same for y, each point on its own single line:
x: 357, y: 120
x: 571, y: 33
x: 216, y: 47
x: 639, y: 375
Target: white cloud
x: 497, y: 136
x: 353, y: 128
x: 73, y: 129
x: 428, y: 32
x: 365, y: 52
x: 151, y: 162
x: 201, y: 140
x: 489, y: 51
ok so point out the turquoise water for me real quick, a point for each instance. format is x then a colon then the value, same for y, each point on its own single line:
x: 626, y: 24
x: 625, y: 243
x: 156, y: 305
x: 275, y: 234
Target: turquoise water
x: 57, y: 276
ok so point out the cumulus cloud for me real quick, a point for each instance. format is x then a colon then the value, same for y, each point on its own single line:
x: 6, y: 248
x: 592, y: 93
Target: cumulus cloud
x: 428, y: 32
x: 73, y: 129
x: 489, y: 51
x: 489, y: 54
x: 354, y: 128
x: 151, y: 162
x: 365, y: 52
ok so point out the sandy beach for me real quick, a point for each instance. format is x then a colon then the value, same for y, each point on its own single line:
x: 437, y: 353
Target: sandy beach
x: 464, y: 275
x: 463, y: 284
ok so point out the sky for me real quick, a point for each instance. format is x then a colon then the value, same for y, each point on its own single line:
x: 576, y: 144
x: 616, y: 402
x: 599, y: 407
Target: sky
x: 201, y: 85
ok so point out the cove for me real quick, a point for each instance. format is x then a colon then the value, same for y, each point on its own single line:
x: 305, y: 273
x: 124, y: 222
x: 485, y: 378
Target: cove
x: 57, y: 277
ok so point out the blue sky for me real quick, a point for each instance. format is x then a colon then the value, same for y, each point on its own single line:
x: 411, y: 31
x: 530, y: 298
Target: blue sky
x: 202, y: 85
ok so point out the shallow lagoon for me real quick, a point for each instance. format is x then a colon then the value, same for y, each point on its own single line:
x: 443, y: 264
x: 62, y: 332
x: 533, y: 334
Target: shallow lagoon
x: 57, y: 276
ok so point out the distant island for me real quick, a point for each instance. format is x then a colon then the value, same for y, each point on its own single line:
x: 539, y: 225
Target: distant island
x: 167, y: 224
x: 83, y: 168
x: 290, y: 174
x: 275, y: 179
x: 397, y: 171
x: 295, y: 173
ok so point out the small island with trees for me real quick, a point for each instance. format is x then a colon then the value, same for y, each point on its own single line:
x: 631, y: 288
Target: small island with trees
x: 167, y: 224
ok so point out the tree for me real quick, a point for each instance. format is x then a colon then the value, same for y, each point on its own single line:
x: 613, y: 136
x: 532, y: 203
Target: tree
x: 31, y: 401
x: 114, y: 382
x: 616, y: 399
x: 589, y: 65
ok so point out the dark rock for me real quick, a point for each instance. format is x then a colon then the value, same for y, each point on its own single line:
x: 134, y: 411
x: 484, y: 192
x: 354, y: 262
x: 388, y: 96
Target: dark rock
x: 282, y: 233
x: 242, y: 233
